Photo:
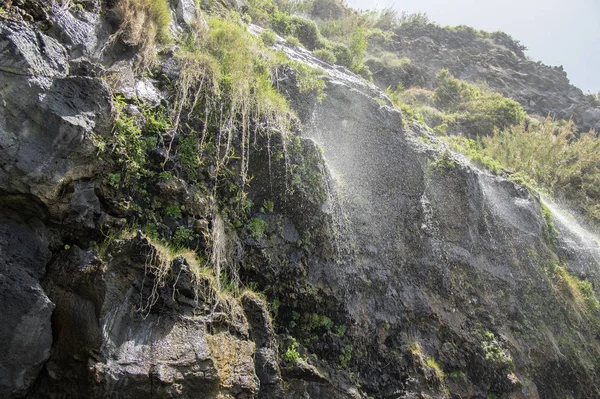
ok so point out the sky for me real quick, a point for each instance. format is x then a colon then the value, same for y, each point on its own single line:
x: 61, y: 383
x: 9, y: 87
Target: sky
x: 556, y: 32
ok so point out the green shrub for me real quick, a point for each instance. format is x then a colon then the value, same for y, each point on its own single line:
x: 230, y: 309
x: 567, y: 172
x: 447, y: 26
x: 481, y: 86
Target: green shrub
x: 358, y: 46
x: 291, y: 354
x: 396, y: 95
x: 257, y: 228
x: 342, y: 54
x: 474, y: 151
x: 261, y: 11
x: 581, y: 292
x: 452, y: 93
x: 307, y: 32
x: 293, y: 41
x: 392, y: 61
x: 129, y: 145
x: 477, y: 111
x: 309, y: 80
x: 415, y: 95
x: 268, y: 206
x: 326, y: 55
x: 554, y: 158
x: 364, y: 71
x: 327, y: 9
x: 346, y: 356
x: 319, y: 322
x: 268, y: 37
x: 550, y: 232
x: 494, y: 353
x: 173, y: 211
x: 182, y: 237
x: 304, y: 30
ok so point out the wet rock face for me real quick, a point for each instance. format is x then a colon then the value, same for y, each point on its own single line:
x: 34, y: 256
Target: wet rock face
x: 439, y: 254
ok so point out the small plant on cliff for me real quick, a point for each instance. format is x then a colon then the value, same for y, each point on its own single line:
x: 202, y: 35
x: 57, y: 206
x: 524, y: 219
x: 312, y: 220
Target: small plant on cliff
x: 291, y: 353
x: 268, y: 37
x: 581, y: 292
x: 173, y: 211
x: 346, y: 356
x: 257, y: 228
x: 550, y: 232
x: 493, y: 351
x: 144, y: 23
x: 436, y: 369
x: 309, y: 80
x: 182, y: 237
x: 474, y: 151
x: 444, y: 162
x: 326, y: 55
x: 226, y: 87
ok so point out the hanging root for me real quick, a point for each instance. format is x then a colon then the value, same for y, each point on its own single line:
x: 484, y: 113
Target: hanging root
x: 158, y: 265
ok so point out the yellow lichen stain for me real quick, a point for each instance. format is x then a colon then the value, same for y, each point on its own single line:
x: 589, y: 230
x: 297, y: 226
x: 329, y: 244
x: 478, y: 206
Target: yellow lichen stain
x: 234, y: 361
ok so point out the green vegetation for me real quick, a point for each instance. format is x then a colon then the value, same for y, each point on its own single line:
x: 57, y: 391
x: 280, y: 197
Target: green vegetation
x: 427, y: 365
x: 474, y: 151
x: 580, y: 292
x: 309, y: 80
x: 293, y: 41
x: 224, y: 104
x: 268, y: 37
x: 548, y: 155
x: 494, y: 353
x: 182, y: 237
x: 291, y: 353
x: 475, y: 111
x: 130, y: 143
x: 319, y: 322
x: 445, y: 162
x: 396, y: 96
x: 550, y: 232
x: 326, y: 55
x: 257, y: 228
x: 114, y: 179
x: 346, y: 49
x: 552, y: 156
x: 346, y: 356
x: 435, y: 368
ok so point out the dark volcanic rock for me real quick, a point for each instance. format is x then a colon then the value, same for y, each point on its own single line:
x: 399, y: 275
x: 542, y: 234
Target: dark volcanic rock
x: 25, y: 332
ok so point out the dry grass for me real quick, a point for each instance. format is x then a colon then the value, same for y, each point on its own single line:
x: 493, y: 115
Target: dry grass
x: 436, y: 370
x: 144, y: 23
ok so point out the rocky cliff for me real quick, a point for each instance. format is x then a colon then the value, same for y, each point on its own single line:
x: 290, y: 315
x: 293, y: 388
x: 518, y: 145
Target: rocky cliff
x: 481, y: 57
x: 334, y: 252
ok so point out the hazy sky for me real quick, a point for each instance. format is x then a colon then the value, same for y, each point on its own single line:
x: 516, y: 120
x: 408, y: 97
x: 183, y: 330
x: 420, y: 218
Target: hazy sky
x: 556, y: 32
